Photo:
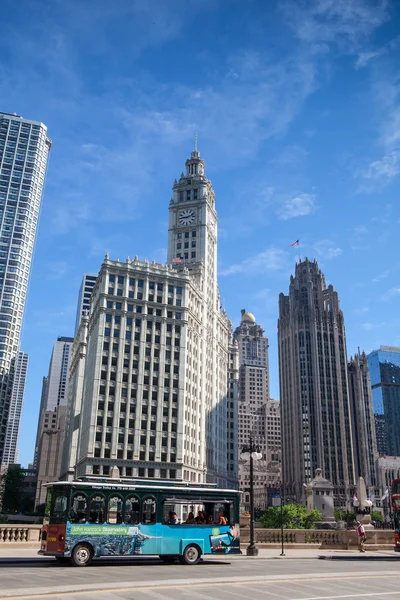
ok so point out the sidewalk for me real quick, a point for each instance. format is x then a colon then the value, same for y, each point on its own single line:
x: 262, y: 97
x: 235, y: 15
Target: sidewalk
x: 264, y: 553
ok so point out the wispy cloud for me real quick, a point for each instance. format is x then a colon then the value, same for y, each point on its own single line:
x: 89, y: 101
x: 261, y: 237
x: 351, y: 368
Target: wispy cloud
x: 385, y: 168
x: 381, y: 276
x: 327, y: 249
x: 300, y: 205
x: 272, y: 259
x: 395, y: 291
x: 335, y: 21
x: 369, y: 326
x: 361, y: 311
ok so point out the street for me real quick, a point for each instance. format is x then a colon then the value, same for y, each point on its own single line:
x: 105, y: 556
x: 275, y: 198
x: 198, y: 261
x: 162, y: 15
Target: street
x: 346, y: 576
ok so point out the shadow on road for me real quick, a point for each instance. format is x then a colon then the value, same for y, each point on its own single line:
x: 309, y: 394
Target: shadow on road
x: 119, y: 561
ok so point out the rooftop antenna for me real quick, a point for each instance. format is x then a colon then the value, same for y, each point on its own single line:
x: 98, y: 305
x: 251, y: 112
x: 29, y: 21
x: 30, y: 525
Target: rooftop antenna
x: 195, y: 141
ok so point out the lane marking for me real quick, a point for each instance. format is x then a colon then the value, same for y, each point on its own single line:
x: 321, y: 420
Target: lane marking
x: 264, y: 581
x: 348, y: 596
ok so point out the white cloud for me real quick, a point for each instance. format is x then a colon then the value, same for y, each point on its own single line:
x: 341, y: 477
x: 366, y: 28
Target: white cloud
x: 364, y: 58
x: 297, y: 206
x: 361, y: 311
x: 381, y: 276
x: 369, y: 326
x: 272, y: 259
x: 327, y: 249
x: 386, y: 167
x: 391, y: 293
x: 343, y: 22
x: 359, y: 230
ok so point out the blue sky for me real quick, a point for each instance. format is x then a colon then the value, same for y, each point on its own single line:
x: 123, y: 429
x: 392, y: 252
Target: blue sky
x: 296, y: 105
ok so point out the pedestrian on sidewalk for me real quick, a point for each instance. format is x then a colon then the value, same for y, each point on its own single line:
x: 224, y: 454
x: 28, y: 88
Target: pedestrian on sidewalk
x: 361, y: 535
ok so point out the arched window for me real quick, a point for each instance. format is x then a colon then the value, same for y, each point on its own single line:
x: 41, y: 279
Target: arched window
x: 78, y: 508
x: 114, y: 513
x: 97, y: 508
x: 132, y: 510
x: 149, y: 508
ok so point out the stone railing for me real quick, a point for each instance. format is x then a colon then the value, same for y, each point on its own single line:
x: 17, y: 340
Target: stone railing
x: 317, y: 538
x: 20, y: 534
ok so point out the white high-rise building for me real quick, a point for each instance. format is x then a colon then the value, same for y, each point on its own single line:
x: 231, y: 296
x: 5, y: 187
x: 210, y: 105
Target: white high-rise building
x: 24, y: 148
x: 10, y: 453
x: 154, y: 372
x: 85, y: 293
x: 51, y: 423
x: 253, y: 401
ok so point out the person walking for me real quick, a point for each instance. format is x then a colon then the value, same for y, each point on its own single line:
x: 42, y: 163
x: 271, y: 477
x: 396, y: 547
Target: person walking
x: 361, y: 536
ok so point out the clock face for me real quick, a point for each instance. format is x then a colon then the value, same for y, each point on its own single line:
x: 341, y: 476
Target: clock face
x: 186, y: 217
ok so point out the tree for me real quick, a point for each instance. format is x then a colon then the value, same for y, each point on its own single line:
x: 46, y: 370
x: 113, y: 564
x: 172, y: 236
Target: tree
x: 377, y: 516
x: 295, y: 516
x: 14, y: 492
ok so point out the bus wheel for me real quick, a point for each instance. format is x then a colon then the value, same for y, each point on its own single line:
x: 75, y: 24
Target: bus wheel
x: 82, y: 555
x: 191, y: 555
x: 168, y: 558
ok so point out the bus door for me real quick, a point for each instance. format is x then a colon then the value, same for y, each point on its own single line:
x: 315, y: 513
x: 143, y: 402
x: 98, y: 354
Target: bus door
x: 54, y: 523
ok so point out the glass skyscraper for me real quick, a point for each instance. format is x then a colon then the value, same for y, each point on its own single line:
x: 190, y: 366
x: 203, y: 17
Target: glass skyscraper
x: 384, y: 367
x: 24, y: 149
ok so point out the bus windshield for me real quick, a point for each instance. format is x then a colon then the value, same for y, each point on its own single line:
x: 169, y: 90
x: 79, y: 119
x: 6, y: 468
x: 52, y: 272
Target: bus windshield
x: 57, y: 502
x: 396, y: 487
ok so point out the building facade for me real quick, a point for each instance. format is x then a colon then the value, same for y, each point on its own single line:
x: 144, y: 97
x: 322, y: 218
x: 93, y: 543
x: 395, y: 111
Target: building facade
x: 52, y: 417
x: 154, y: 371
x: 315, y: 407
x: 24, y: 148
x: 10, y: 452
x: 85, y: 293
x: 362, y: 420
x: 253, y: 398
x: 384, y: 366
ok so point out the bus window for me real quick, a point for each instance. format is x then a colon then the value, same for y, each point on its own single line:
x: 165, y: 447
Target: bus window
x: 132, y: 510
x: 49, y: 498
x: 114, y: 514
x: 149, y: 510
x: 59, y: 506
x: 78, y: 509
x: 96, y: 509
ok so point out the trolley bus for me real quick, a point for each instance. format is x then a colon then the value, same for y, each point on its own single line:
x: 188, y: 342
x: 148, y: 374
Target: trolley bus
x: 91, y: 518
x: 395, y: 501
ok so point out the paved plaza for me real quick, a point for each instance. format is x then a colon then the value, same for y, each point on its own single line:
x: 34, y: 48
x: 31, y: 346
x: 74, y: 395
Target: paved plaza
x: 300, y: 575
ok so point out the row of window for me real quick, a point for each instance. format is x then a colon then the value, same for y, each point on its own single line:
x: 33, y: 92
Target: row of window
x: 152, y: 285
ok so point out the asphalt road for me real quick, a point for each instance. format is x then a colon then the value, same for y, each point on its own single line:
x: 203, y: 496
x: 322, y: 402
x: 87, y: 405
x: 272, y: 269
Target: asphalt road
x: 219, y: 579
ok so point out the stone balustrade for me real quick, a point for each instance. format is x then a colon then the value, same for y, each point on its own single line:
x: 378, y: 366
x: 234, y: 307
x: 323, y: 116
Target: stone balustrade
x: 20, y: 534
x: 318, y: 538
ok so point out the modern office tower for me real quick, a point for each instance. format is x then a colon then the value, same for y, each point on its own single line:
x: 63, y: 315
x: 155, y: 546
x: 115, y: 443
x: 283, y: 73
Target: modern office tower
x: 315, y: 407
x: 51, y: 424
x: 273, y: 447
x: 85, y: 292
x: 362, y: 420
x: 24, y: 148
x: 380, y: 431
x: 153, y: 372
x: 10, y: 453
x: 384, y: 367
x: 43, y: 397
x: 253, y: 399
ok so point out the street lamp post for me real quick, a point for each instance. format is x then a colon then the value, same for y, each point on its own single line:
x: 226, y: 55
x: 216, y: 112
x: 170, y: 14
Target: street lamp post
x: 282, y: 542
x: 253, y: 453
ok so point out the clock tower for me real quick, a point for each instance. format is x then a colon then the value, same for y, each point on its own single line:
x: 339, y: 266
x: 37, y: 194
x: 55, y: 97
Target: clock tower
x: 192, y: 238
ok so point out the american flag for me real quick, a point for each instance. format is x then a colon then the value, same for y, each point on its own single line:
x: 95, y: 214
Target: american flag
x: 177, y: 260
x: 296, y: 243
